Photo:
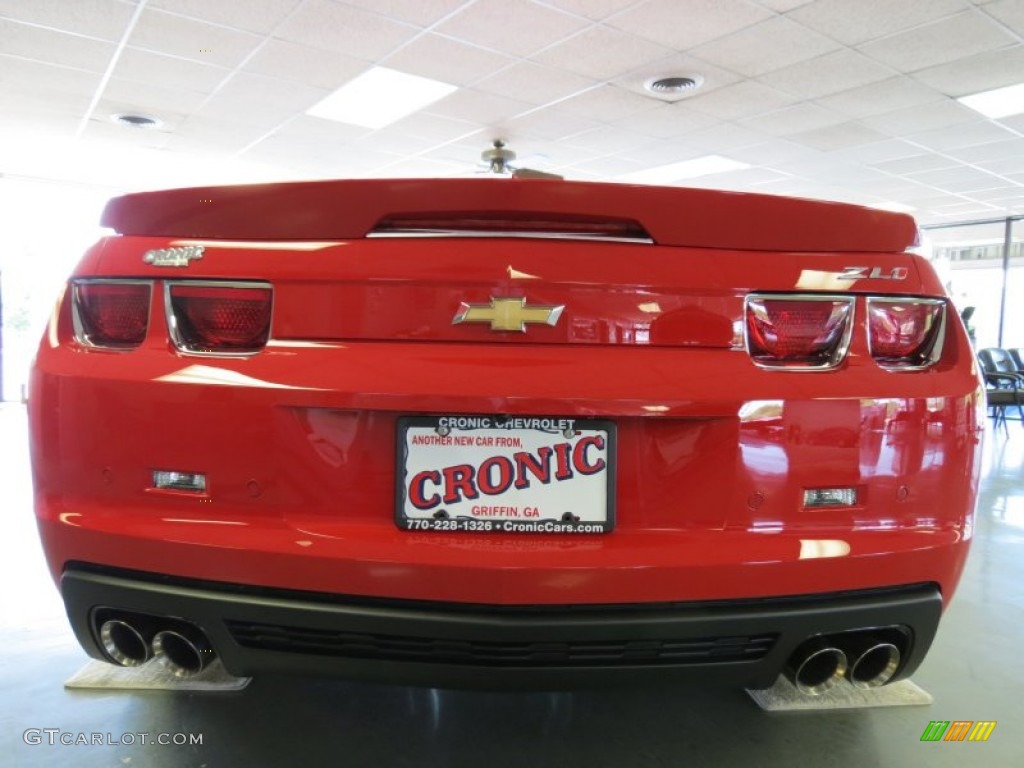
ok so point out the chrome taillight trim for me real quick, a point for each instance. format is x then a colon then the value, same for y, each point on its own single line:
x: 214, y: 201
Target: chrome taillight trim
x: 172, y: 321
x: 838, y: 355
x: 76, y: 320
x: 934, y: 353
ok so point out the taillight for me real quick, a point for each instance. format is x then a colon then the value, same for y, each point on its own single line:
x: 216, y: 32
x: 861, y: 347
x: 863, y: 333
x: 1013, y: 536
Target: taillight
x: 905, y: 333
x: 219, y: 318
x: 800, y: 332
x: 111, y: 313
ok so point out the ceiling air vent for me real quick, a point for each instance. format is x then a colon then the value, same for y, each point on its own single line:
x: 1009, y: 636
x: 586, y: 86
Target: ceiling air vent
x: 674, y: 87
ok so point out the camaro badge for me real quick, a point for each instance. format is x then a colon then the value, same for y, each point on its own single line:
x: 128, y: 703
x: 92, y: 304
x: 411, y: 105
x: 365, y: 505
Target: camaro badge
x: 173, y: 257
x: 507, y: 314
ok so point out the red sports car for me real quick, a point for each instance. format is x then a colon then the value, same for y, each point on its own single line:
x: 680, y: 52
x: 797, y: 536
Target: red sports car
x: 496, y: 433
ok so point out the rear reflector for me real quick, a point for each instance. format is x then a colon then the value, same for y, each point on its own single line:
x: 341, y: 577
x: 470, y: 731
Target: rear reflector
x: 905, y: 334
x: 219, y: 318
x: 111, y: 313
x: 800, y: 332
x: 515, y: 224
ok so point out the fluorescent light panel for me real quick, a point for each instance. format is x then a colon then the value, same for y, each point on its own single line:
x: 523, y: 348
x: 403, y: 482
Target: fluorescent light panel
x: 893, y: 206
x: 687, y: 169
x: 1000, y: 102
x: 379, y: 97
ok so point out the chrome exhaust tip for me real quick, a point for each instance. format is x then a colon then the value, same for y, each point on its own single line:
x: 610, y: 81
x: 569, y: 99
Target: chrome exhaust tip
x: 874, y: 664
x: 184, y: 653
x: 816, y: 667
x: 124, y: 643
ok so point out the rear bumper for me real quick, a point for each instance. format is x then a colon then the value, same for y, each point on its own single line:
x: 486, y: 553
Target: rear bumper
x: 551, y: 647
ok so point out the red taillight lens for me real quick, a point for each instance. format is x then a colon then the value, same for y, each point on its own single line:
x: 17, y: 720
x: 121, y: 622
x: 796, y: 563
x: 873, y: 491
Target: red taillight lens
x: 905, y: 333
x: 219, y: 318
x: 805, y: 332
x: 111, y: 314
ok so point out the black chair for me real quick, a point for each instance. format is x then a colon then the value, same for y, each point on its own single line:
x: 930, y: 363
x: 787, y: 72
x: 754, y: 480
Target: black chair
x: 1004, y: 385
x: 1017, y: 356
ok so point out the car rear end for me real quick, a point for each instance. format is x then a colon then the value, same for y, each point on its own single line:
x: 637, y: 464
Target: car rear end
x: 493, y: 433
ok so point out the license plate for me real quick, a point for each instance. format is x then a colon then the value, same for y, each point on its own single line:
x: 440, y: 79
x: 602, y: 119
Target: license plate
x: 505, y: 474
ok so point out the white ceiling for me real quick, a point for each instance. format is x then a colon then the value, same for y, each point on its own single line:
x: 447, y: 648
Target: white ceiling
x: 839, y: 99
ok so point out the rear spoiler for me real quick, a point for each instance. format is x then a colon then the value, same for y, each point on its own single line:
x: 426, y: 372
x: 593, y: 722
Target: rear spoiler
x: 355, y: 209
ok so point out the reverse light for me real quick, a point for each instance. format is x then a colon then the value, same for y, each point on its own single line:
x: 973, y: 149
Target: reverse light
x: 112, y: 314
x: 809, y: 332
x: 905, y: 334
x: 830, y: 497
x: 169, y: 480
x: 219, y: 318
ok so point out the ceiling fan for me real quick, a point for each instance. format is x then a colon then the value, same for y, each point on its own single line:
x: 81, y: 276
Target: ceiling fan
x: 499, y: 160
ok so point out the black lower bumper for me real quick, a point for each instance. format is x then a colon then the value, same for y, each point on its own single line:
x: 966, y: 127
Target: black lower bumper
x: 736, y: 642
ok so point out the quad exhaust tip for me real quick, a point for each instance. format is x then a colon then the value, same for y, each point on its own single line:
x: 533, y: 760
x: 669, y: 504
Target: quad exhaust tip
x: 816, y: 667
x: 182, y: 654
x: 131, y: 640
x: 864, y: 658
x: 125, y: 643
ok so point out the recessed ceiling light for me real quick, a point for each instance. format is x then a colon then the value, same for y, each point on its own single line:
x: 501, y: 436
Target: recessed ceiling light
x: 379, y: 97
x: 136, y: 121
x: 687, y: 169
x: 1000, y: 102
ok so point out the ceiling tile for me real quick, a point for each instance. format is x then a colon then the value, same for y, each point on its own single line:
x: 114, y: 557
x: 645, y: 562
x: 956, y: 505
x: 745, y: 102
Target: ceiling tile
x: 606, y: 167
x: 682, y: 24
x: 447, y: 60
x: 834, y: 72
x: 39, y: 44
x: 314, y: 134
x: 478, y: 107
x: 608, y: 103
x: 607, y: 139
x: 876, y: 151
x: 955, y: 37
x: 261, y: 93
x: 926, y: 161
x: 864, y: 20
x: 999, y: 151
x: 518, y: 27
x: 783, y: 6
x: 434, y: 128
x: 992, y: 69
x: 770, y: 152
x: 802, y: 117
x: 534, y: 83
x: 603, y: 53
x: 592, y: 9
x: 45, y: 81
x: 190, y: 39
x: 167, y: 71
x: 395, y: 142
x: 765, y: 47
x: 958, y: 179
x: 723, y: 137
x: 335, y: 27
x: 740, y: 100
x: 881, y: 97
x: 310, y: 66
x: 550, y: 124
x: 421, y: 167
x: 152, y: 99
x: 259, y: 16
x: 961, y: 136
x: 921, y: 118
x: 837, y: 136
x: 662, y: 153
x: 422, y: 13
x: 667, y: 121
x: 105, y: 19
x: 1010, y: 13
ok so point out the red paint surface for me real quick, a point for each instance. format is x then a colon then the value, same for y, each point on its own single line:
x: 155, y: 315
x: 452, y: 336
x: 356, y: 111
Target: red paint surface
x: 713, y: 453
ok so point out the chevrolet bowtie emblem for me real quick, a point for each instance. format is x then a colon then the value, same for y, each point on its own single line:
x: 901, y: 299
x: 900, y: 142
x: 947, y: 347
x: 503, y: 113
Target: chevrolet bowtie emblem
x: 507, y: 314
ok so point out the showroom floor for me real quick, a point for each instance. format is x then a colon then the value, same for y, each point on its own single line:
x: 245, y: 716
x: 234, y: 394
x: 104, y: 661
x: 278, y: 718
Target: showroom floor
x: 974, y: 672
